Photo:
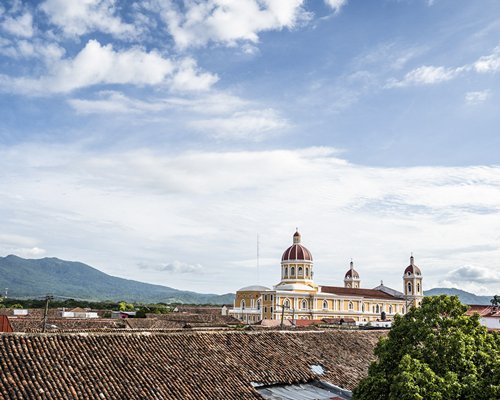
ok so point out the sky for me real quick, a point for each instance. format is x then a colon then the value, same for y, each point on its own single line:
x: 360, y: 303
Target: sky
x: 161, y: 140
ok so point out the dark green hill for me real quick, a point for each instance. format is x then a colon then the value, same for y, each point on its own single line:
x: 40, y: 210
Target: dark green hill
x: 28, y: 278
x: 465, y: 297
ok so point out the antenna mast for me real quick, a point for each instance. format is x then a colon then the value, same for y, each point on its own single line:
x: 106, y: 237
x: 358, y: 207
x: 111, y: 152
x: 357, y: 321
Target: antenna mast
x: 258, y: 260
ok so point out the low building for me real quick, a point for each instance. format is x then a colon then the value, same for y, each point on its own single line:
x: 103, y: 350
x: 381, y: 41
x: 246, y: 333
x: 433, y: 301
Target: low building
x: 297, y: 296
x: 489, y: 316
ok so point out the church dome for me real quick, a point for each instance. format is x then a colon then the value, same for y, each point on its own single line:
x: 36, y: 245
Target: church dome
x: 412, y: 268
x: 351, y: 273
x: 296, y: 251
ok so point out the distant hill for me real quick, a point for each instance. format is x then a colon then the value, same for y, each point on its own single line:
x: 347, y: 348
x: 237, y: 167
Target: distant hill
x: 28, y: 278
x: 465, y: 297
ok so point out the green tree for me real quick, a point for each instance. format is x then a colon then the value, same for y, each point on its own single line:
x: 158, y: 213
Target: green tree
x: 435, y: 352
x: 17, y: 305
x: 124, y: 306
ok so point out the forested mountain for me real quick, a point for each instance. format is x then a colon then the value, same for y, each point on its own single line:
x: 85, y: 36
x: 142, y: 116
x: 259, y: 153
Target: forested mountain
x: 29, y: 278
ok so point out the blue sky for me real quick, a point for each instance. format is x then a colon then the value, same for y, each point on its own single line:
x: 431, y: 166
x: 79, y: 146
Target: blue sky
x: 156, y: 139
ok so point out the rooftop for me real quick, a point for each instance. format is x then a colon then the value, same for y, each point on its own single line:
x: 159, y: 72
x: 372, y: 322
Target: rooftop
x: 194, y: 365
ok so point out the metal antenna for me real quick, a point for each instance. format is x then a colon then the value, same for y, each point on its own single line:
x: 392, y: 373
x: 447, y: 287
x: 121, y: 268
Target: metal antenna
x: 258, y: 260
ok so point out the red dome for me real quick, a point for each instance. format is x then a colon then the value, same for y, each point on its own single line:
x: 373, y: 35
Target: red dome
x: 296, y: 251
x: 412, y: 268
x: 351, y: 273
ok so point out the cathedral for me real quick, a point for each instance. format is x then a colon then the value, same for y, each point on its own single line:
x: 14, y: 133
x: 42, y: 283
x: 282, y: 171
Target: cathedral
x: 297, y: 296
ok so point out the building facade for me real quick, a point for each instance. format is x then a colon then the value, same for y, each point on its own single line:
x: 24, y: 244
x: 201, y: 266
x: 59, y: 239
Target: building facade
x: 297, y: 296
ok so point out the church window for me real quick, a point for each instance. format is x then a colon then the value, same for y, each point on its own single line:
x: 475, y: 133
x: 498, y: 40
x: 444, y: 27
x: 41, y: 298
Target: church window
x: 271, y: 309
x: 307, y: 272
x: 242, y: 304
x: 377, y: 308
x: 265, y: 297
x: 286, y: 303
x: 286, y: 272
x: 303, y: 305
x: 363, y: 307
x: 300, y: 271
x: 418, y: 287
x: 351, y: 306
x: 409, y: 288
x: 390, y: 309
x: 325, y: 305
x: 292, y: 271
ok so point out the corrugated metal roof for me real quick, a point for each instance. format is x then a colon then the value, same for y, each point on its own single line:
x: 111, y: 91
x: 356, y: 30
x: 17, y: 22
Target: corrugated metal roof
x: 307, y: 391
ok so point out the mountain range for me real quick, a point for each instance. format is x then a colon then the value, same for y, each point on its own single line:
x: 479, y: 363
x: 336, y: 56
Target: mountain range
x: 30, y: 278
x: 465, y: 297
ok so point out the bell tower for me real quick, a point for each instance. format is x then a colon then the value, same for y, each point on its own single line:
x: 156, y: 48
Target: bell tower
x: 412, y: 281
x: 351, y: 278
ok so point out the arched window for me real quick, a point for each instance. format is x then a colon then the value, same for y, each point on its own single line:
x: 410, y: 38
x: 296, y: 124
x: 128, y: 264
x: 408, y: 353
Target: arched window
x: 363, y: 307
x: 300, y: 271
x: 242, y: 304
x: 303, y: 305
x: 390, y: 309
x: 377, y: 308
x: 418, y: 287
x: 325, y: 305
x: 292, y: 271
x: 286, y: 272
x: 258, y: 304
x: 351, y: 306
x: 409, y: 288
x: 286, y: 303
x: 307, y: 272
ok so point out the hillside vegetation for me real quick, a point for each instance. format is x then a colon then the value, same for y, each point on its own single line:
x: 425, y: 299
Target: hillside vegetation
x: 27, y: 278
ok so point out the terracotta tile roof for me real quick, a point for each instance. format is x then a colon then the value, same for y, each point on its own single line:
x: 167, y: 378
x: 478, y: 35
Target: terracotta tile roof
x: 33, y: 325
x: 176, y: 366
x: 197, y: 319
x: 365, y: 293
x: 484, y: 311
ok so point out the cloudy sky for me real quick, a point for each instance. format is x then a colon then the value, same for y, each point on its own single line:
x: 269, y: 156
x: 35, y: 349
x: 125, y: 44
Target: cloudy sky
x: 156, y: 139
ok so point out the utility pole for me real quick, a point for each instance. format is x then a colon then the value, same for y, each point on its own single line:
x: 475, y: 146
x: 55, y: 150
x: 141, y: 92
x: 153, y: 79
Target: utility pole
x: 282, y: 315
x: 46, y: 313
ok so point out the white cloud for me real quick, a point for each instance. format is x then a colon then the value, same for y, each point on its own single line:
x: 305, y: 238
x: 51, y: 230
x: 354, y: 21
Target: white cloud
x: 211, y: 103
x: 229, y: 22
x: 34, y: 252
x: 77, y: 18
x: 252, y: 125
x: 475, y: 274
x: 118, y: 209
x: 478, y: 97
x: 21, y: 26
x: 176, y: 267
x: 426, y: 75
x: 336, y: 5
x: 489, y: 63
x: 100, y: 65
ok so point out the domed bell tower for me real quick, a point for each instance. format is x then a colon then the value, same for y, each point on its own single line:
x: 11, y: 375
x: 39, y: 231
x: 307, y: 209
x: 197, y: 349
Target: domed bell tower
x: 412, y: 281
x: 297, y: 263
x: 351, y: 278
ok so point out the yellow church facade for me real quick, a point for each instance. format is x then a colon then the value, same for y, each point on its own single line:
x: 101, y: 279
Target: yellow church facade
x: 298, y: 297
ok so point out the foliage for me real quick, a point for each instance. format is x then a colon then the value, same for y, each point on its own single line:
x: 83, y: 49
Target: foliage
x: 153, y: 309
x: 17, y: 306
x: 435, y: 352
x: 124, y: 306
x: 495, y: 301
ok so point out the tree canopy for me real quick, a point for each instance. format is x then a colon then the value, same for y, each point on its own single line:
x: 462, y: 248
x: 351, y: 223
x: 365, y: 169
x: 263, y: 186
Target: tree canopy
x: 435, y: 352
